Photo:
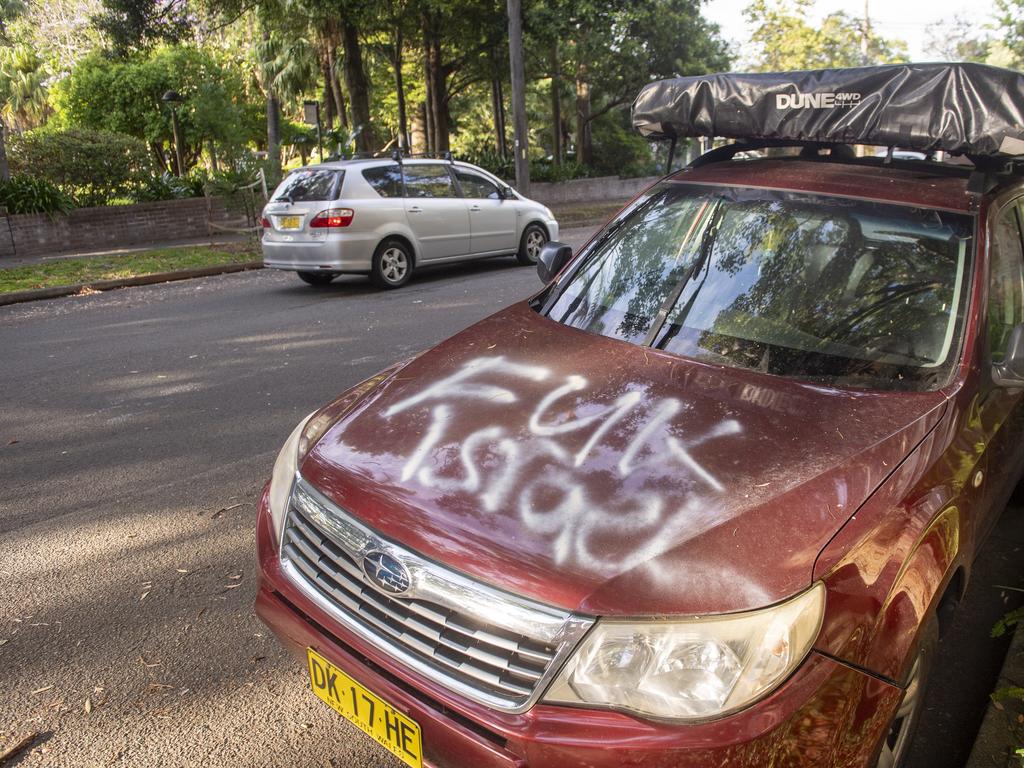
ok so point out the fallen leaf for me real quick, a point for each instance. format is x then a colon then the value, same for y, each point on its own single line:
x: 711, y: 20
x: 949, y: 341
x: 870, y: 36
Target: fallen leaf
x: 182, y: 570
x: 88, y: 705
x: 143, y: 597
x: 41, y: 690
x: 11, y: 442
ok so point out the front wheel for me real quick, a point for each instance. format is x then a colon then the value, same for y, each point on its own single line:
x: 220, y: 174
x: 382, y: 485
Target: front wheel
x: 392, y: 264
x: 896, y: 747
x: 316, y: 278
x: 534, y: 238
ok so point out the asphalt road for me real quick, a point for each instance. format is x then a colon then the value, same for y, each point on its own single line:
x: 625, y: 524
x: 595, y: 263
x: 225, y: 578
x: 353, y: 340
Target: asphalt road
x: 136, y: 430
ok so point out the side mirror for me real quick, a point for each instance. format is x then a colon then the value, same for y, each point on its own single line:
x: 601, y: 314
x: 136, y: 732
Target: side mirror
x: 555, y: 255
x: 507, y: 193
x: 1010, y: 372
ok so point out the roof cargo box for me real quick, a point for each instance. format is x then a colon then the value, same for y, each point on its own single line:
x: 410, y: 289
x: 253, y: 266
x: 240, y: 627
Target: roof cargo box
x: 969, y: 109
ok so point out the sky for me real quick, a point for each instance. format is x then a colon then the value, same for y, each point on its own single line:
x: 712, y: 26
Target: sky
x: 902, y: 19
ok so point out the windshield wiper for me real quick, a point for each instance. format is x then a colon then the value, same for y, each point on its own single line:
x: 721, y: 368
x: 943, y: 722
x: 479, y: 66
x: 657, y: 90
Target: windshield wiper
x: 703, y: 256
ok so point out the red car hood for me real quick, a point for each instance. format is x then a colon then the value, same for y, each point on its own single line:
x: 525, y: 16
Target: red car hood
x: 609, y: 478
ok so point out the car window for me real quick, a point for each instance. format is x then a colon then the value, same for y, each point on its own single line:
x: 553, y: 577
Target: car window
x: 477, y: 186
x: 822, y: 288
x: 386, y: 180
x: 1006, y: 283
x: 428, y: 181
x: 309, y: 185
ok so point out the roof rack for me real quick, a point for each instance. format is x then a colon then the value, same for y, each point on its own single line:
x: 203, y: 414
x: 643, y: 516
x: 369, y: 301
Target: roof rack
x: 398, y: 156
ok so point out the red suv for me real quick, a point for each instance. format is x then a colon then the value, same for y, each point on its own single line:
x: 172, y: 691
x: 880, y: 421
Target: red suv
x: 703, y: 501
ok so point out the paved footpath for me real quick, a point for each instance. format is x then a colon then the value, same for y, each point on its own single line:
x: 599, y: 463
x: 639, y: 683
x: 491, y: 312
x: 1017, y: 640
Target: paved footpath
x: 136, y: 430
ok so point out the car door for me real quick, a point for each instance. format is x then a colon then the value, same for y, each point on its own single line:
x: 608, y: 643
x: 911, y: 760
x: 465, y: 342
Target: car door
x: 438, y: 217
x: 492, y: 220
x: 1001, y: 409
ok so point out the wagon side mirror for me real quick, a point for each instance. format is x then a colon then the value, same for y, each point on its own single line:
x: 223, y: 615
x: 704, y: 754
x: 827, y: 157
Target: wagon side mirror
x: 555, y: 255
x: 1010, y: 372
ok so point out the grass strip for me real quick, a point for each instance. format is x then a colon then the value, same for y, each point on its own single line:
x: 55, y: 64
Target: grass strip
x: 89, y: 269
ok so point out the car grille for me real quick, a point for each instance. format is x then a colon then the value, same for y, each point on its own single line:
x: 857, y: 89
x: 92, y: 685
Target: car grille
x: 448, y: 627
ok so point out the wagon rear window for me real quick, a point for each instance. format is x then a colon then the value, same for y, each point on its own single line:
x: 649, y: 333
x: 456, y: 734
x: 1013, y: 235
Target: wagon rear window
x: 309, y: 185
x: 837, y: 290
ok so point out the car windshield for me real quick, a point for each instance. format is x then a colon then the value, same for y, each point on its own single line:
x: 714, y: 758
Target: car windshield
x: 829, y: 289
x: 309, y: 185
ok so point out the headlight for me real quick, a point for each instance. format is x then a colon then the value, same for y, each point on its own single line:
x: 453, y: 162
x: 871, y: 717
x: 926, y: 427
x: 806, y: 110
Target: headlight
x: 694, y: 669
x: 294, y: 450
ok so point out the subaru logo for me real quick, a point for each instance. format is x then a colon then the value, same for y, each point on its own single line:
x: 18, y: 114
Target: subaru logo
x: 386, y: 573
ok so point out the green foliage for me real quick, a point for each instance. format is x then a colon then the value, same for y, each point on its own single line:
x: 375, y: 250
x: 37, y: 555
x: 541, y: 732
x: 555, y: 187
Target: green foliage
x: 135, y: 25
x: 1009, y: 620
x: 785, y: 38
x: 23, y: 90
x: 126, y: 97
x: 23, y: 194
x: 618, y: 150
x: 545, y: 170
x: 88, y: 165
x: 167, y: 186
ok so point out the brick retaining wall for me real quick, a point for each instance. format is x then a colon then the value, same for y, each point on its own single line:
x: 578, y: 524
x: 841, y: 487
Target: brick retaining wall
x: 589, y: 190
x: 85, y: 229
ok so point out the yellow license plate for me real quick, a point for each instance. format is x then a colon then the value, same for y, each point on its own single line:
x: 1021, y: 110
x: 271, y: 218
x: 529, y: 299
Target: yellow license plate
x: 289, y: 222
x: 397, y: 733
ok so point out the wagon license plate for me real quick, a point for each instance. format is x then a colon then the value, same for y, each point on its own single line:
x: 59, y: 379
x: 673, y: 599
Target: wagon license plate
x: 397, y: 733
x: 289, y: 222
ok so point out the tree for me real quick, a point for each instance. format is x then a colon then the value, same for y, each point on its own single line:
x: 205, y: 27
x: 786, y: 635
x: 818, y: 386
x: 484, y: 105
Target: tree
x: 137, y: 25
x: 1010, y: 19
x: 613, y: 48
x: 956, y: 39
x: 23, y: 90
x: 785, y: 39
x: 125, y: 97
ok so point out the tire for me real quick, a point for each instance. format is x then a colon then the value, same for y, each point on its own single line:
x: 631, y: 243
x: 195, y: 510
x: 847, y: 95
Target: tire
x: 392, y: 264
x: 316, y: 278
x: 895, y: 748
x: 533, y: 239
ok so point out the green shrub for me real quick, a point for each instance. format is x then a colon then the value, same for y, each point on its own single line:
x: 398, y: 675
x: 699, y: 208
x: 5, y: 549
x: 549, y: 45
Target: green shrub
x: 167, y: 186
x: 90, y: 166
x: 22, y: 194
x: 545, y: 170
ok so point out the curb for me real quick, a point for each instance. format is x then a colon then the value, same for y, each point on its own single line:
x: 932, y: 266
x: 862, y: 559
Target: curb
x: 1000, y: 733
x: 36, y: 294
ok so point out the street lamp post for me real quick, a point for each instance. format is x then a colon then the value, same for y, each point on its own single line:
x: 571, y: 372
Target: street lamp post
x: 173, y: 99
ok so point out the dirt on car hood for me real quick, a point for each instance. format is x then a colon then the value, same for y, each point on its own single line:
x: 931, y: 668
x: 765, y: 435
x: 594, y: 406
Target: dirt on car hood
x: 608, y: 478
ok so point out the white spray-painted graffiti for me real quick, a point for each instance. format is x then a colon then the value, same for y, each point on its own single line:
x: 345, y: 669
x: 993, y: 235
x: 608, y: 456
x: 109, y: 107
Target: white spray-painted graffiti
x: 539, y: 477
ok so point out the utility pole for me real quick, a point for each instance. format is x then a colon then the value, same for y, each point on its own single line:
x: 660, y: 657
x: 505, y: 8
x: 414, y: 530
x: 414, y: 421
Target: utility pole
x: 515, y: 55
x: 865, y: 36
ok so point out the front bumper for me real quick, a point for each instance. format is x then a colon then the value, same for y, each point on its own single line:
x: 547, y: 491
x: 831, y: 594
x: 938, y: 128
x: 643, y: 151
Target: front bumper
x: 825, y: 715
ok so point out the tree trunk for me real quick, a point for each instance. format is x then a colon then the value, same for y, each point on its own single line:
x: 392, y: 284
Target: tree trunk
x: 498, y: 108
x: 212, y: 149
x: 584, y: 144
x: 273, y: 128
x: 403, y: 127
x: 429, y: 87
x: 329, y: 109
x: 332, y: 78
x: 5, y: 171
x: 357, y: 85
x: 515, y: 49
x: 556, y: 106
x: 419, y: 130
x: 438, y: 89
